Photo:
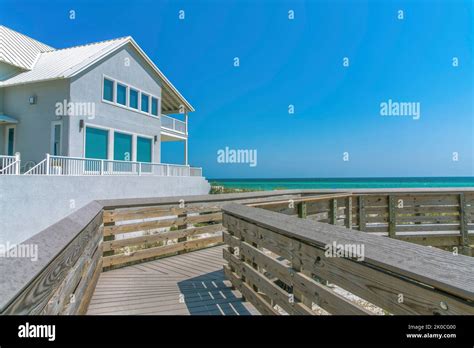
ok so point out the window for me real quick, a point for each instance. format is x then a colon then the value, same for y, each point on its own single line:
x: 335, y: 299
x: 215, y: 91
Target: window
x: 133, y: 98
x: 96, y: 143
x: 122, y: 147
x: 108, y: 90
x: 143, y: 149
x: 154, y: 106
x: 145, y: 101
x: 10, y: 141
x: 56, y: 139
x: 121, y: 94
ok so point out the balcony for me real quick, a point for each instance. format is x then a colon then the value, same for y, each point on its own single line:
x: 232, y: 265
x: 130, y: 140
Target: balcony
x: 173, y: 128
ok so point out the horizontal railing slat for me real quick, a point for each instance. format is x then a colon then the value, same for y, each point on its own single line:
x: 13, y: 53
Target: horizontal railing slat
x: 451, y: 273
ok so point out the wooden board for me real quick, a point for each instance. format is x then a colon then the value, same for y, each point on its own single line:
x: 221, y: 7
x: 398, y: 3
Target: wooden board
x: 430, y: 266
x: 156, y: 288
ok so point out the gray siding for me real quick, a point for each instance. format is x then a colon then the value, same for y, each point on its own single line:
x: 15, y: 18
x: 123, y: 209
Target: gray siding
x: 33, y: 132
x: 87, y: 87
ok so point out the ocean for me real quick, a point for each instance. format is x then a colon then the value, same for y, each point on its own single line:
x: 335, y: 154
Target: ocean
x: 343, y: 183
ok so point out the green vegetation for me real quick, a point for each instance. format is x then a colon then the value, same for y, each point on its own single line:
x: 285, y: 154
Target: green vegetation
x: 215, y: 189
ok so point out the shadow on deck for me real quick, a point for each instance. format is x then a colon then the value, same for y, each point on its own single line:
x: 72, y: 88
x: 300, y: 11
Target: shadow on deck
x: 187, y: 284
x: 209, y: 294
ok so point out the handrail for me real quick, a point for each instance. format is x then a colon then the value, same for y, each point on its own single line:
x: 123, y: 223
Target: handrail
x: 294, y: 252
x: 176, y: 125
x: 10, y: 165
x: 304, y: 199
x: 37, y: 169
x: 63, y: 165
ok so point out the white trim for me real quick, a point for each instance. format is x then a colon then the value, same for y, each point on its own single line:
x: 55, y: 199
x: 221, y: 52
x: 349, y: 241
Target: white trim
x: 113, y: 89
x: 51, y: 145
x: 180, y: 136
x: 7, y: 127
x: 127, y: 106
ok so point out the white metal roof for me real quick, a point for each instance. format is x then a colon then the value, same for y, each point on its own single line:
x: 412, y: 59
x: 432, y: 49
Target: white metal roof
x: 65, y: 63
x: 19, y: 50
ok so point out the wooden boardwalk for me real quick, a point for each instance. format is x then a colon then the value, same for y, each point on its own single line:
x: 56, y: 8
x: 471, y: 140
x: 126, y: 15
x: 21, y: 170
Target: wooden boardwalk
x: 187, y: 284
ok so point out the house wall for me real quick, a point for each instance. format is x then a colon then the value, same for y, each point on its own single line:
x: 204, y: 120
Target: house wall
x: 126, y: 66
x: 33, y: 132
x: 51, y: 198
x: 7, y: 70
x: 2, y: 128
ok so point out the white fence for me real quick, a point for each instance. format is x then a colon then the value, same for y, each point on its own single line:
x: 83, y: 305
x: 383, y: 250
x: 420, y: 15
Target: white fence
x: 10, y: 165
x: 173, y: 124
x: 78, y: 166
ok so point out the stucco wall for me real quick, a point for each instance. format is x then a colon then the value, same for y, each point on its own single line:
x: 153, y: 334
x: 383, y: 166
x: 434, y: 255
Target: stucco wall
x: 125, y: 66
x: 33, y: 132
x: 28, y: 204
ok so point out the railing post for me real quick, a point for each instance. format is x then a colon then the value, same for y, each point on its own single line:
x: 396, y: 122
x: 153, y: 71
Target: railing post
x: 361, y: 213
x: 392, y: 216
x: 139, y: 168
x: 47, y: 163
x: 465, y: 248
x: 17, y: 165
x: 349, y: 213
x: 102, y: 167
x: 302, y: 210
x: 167, y: 170
x: 333, y: 217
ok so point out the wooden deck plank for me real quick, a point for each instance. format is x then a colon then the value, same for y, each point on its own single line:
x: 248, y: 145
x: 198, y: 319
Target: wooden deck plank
x: 191, y: 283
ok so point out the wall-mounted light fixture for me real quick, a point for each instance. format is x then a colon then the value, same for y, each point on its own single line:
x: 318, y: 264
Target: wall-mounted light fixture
x: 81, y: 125
x: 32, y: 99
x: 155, y: 138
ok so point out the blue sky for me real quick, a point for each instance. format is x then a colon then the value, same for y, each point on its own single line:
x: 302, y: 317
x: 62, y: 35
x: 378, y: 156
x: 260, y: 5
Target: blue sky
x: 297, y: 62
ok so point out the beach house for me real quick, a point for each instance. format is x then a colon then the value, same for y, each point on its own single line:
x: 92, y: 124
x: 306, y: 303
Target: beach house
x: 105, y: 100
x: 85, y: 123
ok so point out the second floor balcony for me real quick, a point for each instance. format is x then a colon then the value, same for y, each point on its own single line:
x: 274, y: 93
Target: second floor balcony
x: 172, y: 127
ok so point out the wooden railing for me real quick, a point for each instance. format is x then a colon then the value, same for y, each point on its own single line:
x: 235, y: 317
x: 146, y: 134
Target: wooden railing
x: 137, y: 233
x: 282, y: 264
x: 113, y: 233
x: 439, y: 219
x: 62, y: 279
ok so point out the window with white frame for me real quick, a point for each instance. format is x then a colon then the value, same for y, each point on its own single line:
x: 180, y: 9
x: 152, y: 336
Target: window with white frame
x: 124, y: 95
x: 108, y: 93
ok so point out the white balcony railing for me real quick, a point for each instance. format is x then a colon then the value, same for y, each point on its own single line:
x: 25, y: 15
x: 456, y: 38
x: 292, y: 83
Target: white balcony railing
x: 78, y: 166
x: 10, y: 165
x: 173, y: 124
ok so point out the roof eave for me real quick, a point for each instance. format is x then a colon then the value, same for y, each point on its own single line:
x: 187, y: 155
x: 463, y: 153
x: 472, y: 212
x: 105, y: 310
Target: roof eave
x: 130, y: 40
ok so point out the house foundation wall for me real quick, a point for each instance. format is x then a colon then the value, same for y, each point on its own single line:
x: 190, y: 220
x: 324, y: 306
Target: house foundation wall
x: 29, y: 204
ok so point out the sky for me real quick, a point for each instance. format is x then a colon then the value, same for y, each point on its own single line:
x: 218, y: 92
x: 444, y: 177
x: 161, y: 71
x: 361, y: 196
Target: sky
x: 291, y: 57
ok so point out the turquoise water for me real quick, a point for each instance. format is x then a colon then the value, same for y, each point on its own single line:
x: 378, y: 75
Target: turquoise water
x: 345, y: 183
